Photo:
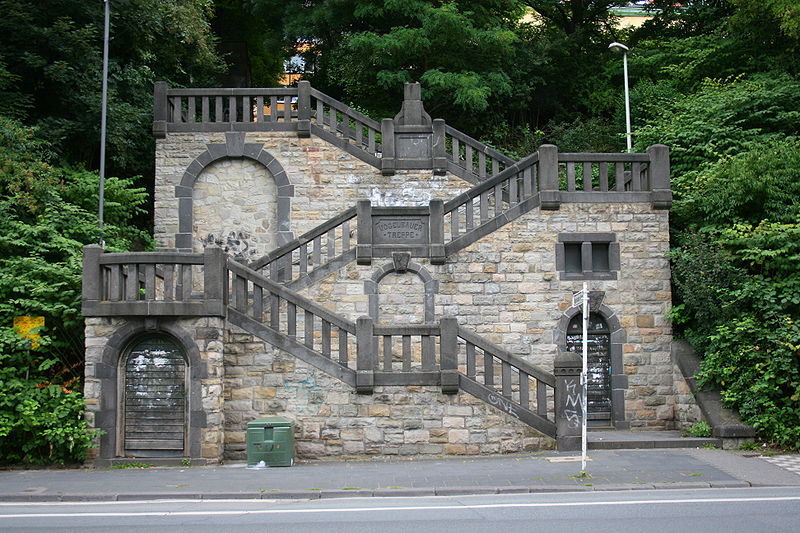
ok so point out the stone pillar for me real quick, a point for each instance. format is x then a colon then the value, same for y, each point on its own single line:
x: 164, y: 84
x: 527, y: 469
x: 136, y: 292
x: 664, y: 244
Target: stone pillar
x: 364, y: 234
x: 567, y: 371
x: 365, y: 356
x: 387, y: 147
x: 448, y: 329
x: 548, y: 177
x: 303, y: 109
x: 160, y: 109
x: 436, y: 233
x: 439, y: 148
x: 660, y: 195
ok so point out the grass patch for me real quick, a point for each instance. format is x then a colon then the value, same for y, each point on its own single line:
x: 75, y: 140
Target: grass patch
x: 120, y: 466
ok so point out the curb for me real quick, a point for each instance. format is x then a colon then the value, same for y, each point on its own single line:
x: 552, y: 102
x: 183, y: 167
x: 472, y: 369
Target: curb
x: 362, y: 493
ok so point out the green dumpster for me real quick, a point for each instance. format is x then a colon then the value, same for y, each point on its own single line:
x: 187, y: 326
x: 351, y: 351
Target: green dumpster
x: 270, y: 442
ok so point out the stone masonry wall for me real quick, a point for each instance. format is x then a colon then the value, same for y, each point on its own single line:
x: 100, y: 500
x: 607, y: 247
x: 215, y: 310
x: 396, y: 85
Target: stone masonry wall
x: 504, y: 287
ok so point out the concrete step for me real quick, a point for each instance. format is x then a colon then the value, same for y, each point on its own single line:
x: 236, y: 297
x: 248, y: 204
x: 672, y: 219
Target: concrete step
x: 631, y: 440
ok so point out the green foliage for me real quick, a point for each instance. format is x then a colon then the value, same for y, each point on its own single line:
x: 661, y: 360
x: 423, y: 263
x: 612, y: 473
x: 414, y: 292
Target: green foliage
x: 53, y: 51
x: 755, y: 359
x: 40, y: 422
x: 699, y: 429
x: 47, y: 215
x: 724, y: 119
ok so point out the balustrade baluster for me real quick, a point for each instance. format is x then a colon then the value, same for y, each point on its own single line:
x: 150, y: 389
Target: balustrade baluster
x: 232, y: 109
x: 454, y: 224
x: 274, y: 311
x: 371, y: 141
x: 258, y: 303
x: 259, y: 109
x: 469, y: 215
x: 331, y: 244
x: 512, y: 191
x: 541, y: 398
x: 428, y: 353
x: 619, y: 176
x: 247, y: 110
x: 150, y: 282
x: 387, y: 353
x: 132, y: 283
x: 218, y: 113
x: 488, y: 369
x: 481, y: 165
x: 206, y: 111
x: 484, y: 206
x: 498, y: 199
x: 317, y: 251
x: 291, y: 320
x: 603, y: 176
x: 505, y: 379
x: 343, y: 347
x: 308, y: 328
x: 345, y: 236
x: 273, y: 108
x: 320, y: 114
x: 471, y: 360
x: 636, y: 176
x: 571, y: 176
x: 524, y: 389
x: 326, y: 339
x: 112, y: 285
x: 468, y: 158
x: 406, y: 353
x: 192, y: 114
x: 240, y: 294
x: 303, y: 259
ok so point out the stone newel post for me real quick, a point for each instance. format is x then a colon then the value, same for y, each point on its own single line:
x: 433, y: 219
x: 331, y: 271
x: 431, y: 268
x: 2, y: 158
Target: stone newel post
x: 568, y: 401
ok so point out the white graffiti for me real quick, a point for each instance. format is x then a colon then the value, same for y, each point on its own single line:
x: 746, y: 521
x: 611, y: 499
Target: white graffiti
x: 502, y: 403
x: 573, y: 400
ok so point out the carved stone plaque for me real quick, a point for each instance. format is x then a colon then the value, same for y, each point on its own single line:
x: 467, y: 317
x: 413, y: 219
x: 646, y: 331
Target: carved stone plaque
x: 413, y: 145
x: 408, y: 230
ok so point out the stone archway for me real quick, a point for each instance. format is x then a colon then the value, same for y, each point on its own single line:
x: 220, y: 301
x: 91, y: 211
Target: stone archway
x: 617, y: 337
x: 234, y: 147
x: 401, y: 264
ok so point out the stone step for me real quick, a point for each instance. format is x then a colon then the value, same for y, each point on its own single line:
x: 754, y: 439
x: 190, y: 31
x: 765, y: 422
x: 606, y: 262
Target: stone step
x: 630, y: 440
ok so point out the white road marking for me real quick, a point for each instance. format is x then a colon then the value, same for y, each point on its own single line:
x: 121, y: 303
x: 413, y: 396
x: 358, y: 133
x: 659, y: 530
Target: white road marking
x: 399, y: 508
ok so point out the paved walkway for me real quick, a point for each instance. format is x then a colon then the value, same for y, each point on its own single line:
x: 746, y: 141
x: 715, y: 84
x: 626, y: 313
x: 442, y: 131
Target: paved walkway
x: 539, y: 472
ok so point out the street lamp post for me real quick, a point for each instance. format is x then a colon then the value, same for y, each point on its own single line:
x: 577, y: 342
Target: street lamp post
x: 103, y: 106
x: 619, y: 47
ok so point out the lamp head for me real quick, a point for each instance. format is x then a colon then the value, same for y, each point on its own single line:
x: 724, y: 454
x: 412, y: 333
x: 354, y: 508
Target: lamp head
x: 618, y: 47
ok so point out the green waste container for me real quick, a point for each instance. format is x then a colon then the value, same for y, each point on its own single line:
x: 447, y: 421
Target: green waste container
x: 270, y: 440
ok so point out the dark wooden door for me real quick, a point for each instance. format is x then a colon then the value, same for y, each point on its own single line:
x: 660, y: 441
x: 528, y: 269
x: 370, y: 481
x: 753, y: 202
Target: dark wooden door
x: 598, y: 393
x: 155, y: 399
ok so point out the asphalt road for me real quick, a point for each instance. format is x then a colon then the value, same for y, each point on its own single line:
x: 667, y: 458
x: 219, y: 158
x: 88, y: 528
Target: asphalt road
x: 768, y: 509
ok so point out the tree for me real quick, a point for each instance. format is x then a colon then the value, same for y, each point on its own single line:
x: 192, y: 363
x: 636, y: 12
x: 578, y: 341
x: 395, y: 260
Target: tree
x: 53, y: 51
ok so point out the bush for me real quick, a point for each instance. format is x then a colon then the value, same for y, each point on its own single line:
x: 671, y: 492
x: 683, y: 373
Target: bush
x: 40, y: 422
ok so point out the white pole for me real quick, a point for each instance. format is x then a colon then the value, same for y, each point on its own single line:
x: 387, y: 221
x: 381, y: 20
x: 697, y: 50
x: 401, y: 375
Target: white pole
x: 627, y: 101
x: 585, y: 374
x: 103, y: 105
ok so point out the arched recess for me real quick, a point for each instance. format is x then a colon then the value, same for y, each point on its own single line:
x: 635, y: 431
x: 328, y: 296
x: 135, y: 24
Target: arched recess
x: 109, y: 417
x: 153, y: 405
x: 234, y: 147
x: 617, y: 337
x: 401, y: 265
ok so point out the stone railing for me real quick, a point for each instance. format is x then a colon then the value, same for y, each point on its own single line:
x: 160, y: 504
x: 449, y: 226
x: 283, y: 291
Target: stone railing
x: 289, y: 321
x: 519, y: 388
x: 340, y: 125
x: 152, y: 283
x: 361, y: 354
x: 247, y: 109
x: 314, y: 254
x: 470, y: 159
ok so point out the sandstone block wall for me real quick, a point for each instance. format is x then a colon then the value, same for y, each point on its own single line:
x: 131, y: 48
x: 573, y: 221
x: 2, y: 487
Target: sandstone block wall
x: 505, y: 287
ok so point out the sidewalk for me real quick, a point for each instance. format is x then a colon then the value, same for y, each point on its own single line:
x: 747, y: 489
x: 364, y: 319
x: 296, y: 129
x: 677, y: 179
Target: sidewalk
x: 539, y: 472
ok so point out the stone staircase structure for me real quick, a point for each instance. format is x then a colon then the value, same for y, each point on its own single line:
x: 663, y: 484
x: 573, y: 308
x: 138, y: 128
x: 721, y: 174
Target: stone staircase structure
x: 425, y: 314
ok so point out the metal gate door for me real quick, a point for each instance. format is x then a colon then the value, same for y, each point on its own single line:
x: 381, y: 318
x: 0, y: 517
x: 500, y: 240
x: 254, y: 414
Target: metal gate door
x: 155, y: 399
x: 599, y: 364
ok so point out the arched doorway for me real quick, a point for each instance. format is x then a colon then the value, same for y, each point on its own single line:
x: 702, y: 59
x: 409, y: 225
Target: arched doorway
x: 154, y: 402
x: 598, y: 393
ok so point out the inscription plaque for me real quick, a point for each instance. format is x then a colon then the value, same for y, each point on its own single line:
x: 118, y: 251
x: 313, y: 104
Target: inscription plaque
x: 400, y: 230
x: 413, y: 146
